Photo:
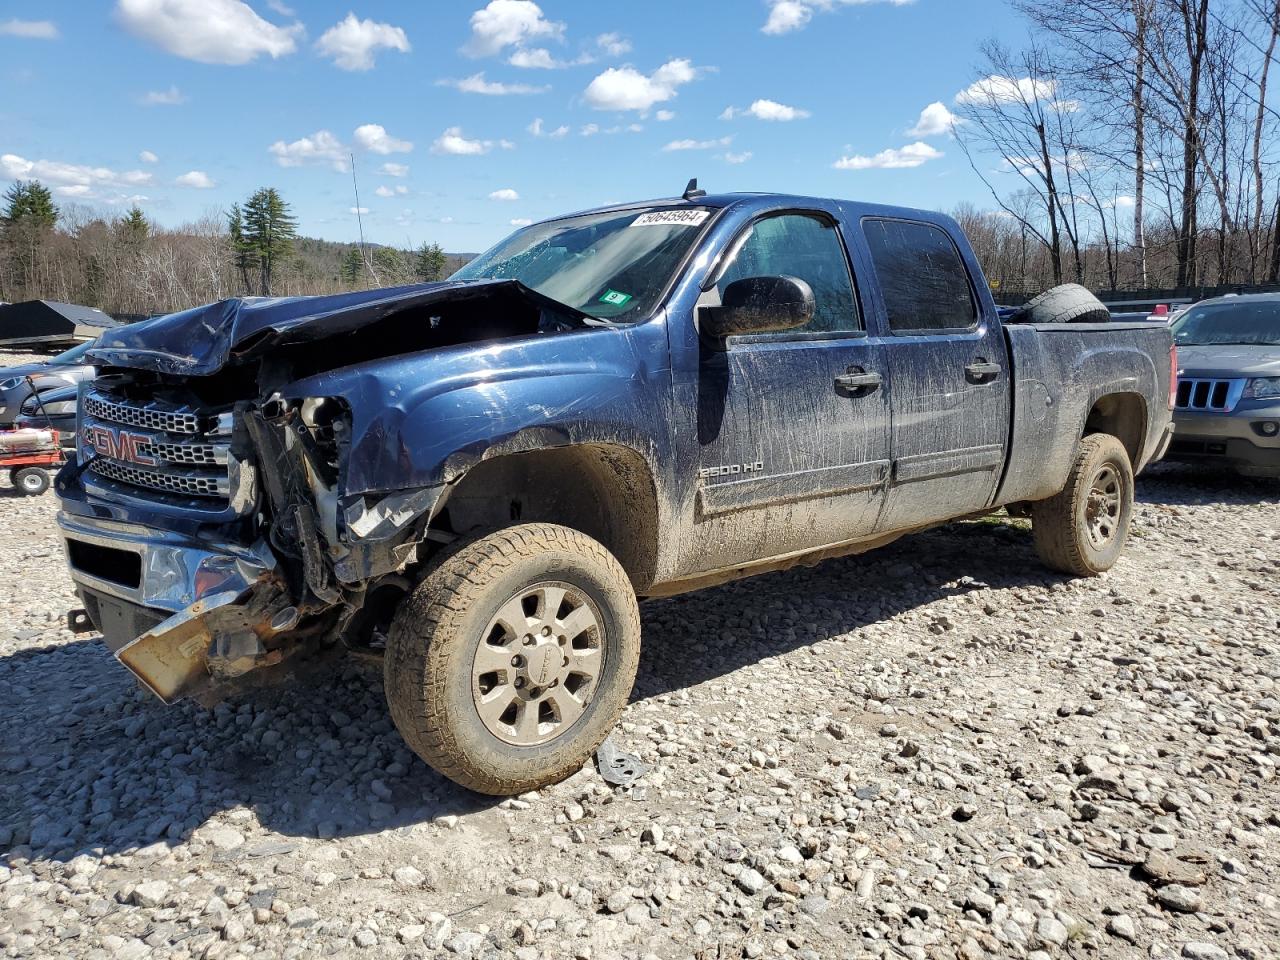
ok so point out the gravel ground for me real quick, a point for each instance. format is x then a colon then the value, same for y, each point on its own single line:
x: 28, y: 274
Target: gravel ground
x: 934, y: 750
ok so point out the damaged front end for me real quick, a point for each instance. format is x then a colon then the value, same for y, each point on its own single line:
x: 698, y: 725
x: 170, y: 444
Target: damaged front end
x: 210, y: 535
x: 186, y: 611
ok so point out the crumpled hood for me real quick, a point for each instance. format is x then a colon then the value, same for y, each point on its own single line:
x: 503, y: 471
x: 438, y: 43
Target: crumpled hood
x: 1229, y: 361
x: 203, y: 340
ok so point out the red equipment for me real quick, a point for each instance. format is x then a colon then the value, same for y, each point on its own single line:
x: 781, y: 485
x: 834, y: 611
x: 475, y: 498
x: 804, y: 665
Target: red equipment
x: 28, y: 455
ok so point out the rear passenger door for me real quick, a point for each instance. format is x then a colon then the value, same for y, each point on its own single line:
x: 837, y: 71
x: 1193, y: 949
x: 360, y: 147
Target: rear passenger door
x: 949, y: 374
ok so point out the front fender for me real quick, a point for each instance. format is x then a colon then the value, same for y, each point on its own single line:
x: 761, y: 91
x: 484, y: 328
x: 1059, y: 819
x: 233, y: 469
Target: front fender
x: 424, y: 419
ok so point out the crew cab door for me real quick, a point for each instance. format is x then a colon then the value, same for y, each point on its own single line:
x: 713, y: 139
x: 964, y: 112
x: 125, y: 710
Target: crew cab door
x: 948, y: 368
x: 793, y: 426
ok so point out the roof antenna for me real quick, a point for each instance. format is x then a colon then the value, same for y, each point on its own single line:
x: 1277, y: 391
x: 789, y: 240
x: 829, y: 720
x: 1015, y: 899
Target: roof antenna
x: 365, y: 257
x: 691, y: 192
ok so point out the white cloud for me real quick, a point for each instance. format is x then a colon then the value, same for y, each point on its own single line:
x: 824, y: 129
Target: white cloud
x: 697, y: 144
x: 613, y: 44
x: 935, y: 119
x: 454, y: 143
x: 738, y: 157
x: 994, y: 91
x: 1125, y: 202
x: 540, y: 58
x: 281, y: 8
x: 536, y: 128
x: 208, y: 31
x: 29, y: 29
x: 476, y: 83
x: 766, y: 110
x: 625, y: 88
x: 508, y: 23
x: 590, y: 129
x: 70, y: 179
x: 788, y: 15
x: 321, y: 147
x: 164, y: 98
x: 505, y: 194
x: 912, y: 155
x: 196, y: 178
x: 359, y: 210
x: 399, y: 190
x: 662, y: 116
x: 520, y: 222
x: 352, y: 42
x: 395, y: 169
x: 146, y: 156
x: 374, y: 138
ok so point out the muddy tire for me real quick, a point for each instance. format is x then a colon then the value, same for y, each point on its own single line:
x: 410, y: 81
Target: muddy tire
x: 512, y: 659
x: 30, y: 481
x: 1067, y: 303
x: 1083, y: 529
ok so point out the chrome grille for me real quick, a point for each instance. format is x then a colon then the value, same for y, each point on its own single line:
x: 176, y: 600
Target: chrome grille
x: 189, y: 484
x: 198, y: 454
x: 148, y: 417
x: 168, y: 448
x: 1210, y: 395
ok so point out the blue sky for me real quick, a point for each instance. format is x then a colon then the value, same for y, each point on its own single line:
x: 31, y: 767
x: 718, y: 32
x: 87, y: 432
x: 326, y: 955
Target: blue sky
x: 466, y: 118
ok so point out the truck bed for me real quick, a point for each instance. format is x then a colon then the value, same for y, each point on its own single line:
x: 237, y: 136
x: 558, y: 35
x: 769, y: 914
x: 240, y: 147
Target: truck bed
x: 1060, y: 372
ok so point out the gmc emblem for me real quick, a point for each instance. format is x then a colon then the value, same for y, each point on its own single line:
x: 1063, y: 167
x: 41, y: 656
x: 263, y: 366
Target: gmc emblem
x: 119, y: 445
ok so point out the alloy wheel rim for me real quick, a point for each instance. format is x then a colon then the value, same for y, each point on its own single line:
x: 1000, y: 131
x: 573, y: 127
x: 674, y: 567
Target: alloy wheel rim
x: 538, y: 664
x: 1103, y: 507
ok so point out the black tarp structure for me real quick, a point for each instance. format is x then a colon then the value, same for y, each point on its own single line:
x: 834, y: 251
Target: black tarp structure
x: 48, y: 324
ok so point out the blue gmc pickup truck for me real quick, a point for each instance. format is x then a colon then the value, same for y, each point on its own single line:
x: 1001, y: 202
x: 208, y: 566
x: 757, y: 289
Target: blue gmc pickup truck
x: 477, y: 478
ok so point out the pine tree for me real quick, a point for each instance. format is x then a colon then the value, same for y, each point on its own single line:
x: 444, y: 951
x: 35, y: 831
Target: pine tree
x: 133, y: 227
x: 262, y: 235
x: 27, y: 223
x: 29, y: 203
x: 430, y: 262
x: 352, y: 267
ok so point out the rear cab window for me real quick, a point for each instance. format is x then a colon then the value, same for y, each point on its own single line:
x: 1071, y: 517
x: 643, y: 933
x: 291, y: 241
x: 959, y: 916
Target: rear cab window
x: 924, y: 282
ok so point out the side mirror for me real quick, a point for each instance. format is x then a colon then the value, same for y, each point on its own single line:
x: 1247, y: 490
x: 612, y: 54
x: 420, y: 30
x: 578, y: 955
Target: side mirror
x: 759, y: 305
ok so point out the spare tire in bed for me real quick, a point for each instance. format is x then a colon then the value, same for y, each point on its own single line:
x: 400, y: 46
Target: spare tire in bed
x: 1068, y: 303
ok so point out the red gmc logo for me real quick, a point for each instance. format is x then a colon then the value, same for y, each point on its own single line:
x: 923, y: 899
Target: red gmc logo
x: 119, y: 445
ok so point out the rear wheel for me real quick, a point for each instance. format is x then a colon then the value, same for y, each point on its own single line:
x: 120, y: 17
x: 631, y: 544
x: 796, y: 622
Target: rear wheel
x: 30, y: 481
x: 1083, y: 529
x: 511, y: 661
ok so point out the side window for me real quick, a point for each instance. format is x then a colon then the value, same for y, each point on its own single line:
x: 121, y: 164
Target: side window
x: 795, y: 245
x: 924, y: 281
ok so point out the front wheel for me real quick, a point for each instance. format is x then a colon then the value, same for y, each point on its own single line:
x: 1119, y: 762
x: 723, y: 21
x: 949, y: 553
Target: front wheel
x: 511, y: 661
x: 1083, y: 529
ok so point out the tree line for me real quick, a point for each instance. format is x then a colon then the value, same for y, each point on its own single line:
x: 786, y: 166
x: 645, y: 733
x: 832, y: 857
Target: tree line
x: 128, y: 265
x: 1127, y: 144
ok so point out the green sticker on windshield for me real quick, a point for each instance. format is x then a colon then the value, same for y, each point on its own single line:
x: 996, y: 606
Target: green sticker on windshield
x: 615, y: 298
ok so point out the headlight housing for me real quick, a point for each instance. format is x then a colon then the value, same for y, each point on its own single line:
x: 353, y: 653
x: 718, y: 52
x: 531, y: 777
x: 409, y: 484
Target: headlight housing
x: 1262, y: 388
x: 10, y: 383
x: 58, y: 408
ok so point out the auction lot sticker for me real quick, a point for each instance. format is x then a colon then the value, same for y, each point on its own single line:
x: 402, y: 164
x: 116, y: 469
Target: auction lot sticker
x: 677, y: 218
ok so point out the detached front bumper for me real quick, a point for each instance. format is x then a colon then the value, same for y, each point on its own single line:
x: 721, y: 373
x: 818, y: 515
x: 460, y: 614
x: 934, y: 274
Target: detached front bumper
x: 177, y: 612
x: 1240, y: 440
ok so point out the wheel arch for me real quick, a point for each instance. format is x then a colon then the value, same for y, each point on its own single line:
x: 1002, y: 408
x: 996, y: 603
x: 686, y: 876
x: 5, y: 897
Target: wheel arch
x: 604, y: 490
x: 1124, y: 416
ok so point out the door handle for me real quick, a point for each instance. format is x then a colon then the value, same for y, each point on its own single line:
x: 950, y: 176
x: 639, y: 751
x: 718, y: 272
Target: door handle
x: 980, y: 371
x: 857, y: 380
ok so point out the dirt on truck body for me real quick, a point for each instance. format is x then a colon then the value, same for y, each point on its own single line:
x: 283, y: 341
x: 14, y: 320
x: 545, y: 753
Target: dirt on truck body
x: 635, y: 401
